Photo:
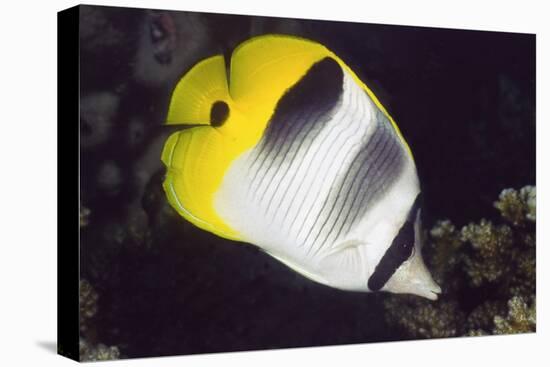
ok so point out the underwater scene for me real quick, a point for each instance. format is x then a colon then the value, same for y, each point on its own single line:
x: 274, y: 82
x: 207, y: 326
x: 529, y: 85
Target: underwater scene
x: 252, y: 183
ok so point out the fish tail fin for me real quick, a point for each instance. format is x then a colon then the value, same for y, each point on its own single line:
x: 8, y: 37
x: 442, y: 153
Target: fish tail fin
x: 195, y: 93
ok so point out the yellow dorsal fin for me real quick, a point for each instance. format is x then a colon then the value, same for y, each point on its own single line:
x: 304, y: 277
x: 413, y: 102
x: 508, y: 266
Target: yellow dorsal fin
x: 195, y: 93
x: 264, y: 67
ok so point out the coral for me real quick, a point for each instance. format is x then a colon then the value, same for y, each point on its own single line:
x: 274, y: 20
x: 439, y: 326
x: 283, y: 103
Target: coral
x: 88, y: 309
x: 493, y: 246
x: 445, y: 245
x: 521, y: 318
x: 487, y: 271
x: 423, y: 319
x: 100, y: 352
x: 88, y: 303
x: 476, y: 332
x: 517, y: 207
x: 481, y: 317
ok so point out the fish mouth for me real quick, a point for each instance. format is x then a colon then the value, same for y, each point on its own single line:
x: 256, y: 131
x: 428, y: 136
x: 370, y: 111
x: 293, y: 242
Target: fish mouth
x: 431, y: 295
x: 431, y: 292
x: 434, y: 292
x: 434, y: 296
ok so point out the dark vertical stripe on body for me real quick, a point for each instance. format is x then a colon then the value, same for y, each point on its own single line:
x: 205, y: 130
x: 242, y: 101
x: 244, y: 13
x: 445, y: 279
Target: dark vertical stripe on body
x: 299, y: 166
x: 363, y: 183
x: 374, y: 155
x: 276, y: 144
x: 298, y: 140
x: 311, y: 206
x: 273, y: 155
x: 332, y: 187
x: 306, y: 105
x: 321, y: 146
x: 341, y: 186
x: 385, y: 175
x: 371, y: 151
x: 382, y: 159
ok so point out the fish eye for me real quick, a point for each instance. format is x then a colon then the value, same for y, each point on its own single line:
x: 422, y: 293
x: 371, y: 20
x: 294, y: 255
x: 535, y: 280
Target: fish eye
x: 219, y: 112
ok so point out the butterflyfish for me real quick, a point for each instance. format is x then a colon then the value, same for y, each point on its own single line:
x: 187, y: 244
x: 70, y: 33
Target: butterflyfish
x: 287, y: 149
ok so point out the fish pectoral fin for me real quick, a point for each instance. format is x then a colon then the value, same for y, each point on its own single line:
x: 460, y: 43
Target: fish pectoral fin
x: 345, y: 256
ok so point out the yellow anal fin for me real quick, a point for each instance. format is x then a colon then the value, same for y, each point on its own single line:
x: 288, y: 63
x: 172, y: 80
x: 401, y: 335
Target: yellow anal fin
x: 197, y: 91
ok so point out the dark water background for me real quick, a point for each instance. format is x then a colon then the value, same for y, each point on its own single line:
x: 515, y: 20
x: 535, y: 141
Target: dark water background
x: 464, y: 101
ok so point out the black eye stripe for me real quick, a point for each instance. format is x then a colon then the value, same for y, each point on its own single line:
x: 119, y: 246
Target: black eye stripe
x: 400, y: 250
